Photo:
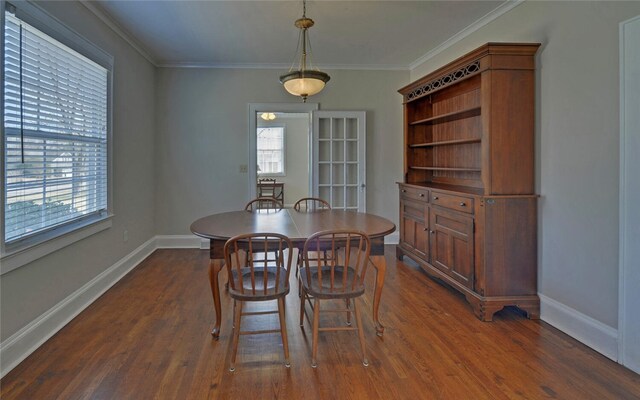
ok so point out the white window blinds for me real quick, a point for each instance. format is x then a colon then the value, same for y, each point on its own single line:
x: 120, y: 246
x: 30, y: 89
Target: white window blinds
x: 55, y: 133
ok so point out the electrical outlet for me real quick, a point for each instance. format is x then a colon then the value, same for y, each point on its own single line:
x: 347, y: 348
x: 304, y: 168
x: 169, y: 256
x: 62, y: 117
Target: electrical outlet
x: 244, y: 168
x: 125, y: 236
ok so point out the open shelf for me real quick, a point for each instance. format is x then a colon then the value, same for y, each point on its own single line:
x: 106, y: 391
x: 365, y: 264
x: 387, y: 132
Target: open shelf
x: 446, y: 169
x: 452, y: 116
x: 445, y: 143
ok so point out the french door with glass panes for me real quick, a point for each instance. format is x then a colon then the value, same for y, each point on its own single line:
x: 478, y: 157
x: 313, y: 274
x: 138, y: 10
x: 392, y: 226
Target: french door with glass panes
x: 338, y: 159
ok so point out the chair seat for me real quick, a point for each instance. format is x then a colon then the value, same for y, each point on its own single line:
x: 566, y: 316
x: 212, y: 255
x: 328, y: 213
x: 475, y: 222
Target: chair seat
x: 326, y: 291
x: 259, y: 273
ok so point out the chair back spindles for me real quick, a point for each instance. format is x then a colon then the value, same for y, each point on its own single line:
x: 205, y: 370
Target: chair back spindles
x: 264, y: 205
x: 311, y: 204
x: 336, y: 261
x: 251, y: 271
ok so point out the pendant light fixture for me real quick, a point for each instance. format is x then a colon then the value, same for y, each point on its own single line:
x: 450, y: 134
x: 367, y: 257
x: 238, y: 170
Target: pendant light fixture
x: 305, y: 81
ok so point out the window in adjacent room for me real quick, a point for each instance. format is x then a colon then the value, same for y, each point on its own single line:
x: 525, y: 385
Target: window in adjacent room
x: 271, y: 151
x: 55, y: 131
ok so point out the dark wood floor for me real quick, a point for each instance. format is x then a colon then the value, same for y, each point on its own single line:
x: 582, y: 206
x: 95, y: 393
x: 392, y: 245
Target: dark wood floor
x: 148, y: 337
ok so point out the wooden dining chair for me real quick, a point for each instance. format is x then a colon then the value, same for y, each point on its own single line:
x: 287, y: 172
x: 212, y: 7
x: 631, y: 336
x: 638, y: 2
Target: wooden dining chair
x: 253, y: 279
x: 340, y: 277
x: 264, y: 205
x: 311, y: 204
x: 267, y: 188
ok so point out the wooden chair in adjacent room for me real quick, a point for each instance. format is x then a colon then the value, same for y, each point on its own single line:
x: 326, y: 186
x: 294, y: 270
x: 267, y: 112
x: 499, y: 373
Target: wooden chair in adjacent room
x: 340, y: 277
x: 311, y: 204
x: 267, y: 187
x: 264, y: 205
x: 253, y: 280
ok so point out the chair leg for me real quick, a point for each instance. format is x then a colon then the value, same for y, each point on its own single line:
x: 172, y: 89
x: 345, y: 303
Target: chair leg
x: 365, y: 362
x: 303, y: 299
x: 316, y: 322
x: 283, y: 331
x: 348, y: 301
x: 236, y: 334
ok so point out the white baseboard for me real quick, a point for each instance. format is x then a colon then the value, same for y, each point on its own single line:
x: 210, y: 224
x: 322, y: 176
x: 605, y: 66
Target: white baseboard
x: 600, y: 337
x: 195, y: 242
x: 181, y: 242
x: 21, y: 344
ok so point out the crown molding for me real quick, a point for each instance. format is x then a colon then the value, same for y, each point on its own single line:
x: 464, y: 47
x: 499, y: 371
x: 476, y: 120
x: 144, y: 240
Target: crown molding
x: 213, y: 65
x: 492, y: 15
x: 118, y: 29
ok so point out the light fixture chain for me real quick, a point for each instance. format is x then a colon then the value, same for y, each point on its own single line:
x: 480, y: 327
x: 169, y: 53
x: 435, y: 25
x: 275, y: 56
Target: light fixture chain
x: 303, y: 82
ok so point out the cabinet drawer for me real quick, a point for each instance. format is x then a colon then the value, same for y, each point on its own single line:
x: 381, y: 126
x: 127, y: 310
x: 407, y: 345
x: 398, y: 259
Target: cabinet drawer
x: 458, y: 203
x: 415, y: 209
x: 414, y: 193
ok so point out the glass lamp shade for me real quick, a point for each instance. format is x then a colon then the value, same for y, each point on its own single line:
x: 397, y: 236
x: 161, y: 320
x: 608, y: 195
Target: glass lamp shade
x: 304, y: 83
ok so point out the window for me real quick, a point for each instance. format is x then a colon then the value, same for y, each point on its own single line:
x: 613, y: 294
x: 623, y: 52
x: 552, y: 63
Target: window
x: 271, y: 150
x: 55, y: 131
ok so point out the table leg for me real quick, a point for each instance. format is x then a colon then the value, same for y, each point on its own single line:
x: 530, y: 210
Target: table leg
x: 215, y: 266
x: 381, y: 269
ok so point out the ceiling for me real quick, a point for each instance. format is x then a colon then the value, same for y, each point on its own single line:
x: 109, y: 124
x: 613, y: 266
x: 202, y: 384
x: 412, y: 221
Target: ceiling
x: 348, y: 34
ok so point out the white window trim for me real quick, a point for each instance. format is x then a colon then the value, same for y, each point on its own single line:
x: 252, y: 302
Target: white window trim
x: 23, y: 252
x: 284, y: 150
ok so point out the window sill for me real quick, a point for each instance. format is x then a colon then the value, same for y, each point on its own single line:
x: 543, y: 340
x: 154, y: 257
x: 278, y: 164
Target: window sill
x: 11, y: 260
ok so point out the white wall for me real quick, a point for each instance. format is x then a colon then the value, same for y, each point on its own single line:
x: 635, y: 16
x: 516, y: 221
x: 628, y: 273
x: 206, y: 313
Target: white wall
x: 203, y: 136
x: 577, y: 133
x: 33, y: 289
x: 296, y: 179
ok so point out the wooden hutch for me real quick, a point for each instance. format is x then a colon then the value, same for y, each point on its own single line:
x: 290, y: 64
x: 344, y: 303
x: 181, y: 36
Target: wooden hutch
x: 467, y: 203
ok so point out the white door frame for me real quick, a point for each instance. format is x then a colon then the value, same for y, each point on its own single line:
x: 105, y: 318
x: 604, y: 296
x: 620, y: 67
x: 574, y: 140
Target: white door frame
x: 629, y: 251
x: 255, y: 108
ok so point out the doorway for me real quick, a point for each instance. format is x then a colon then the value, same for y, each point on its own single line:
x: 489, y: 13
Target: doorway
x: 309, y: 153
x: 285, y: 130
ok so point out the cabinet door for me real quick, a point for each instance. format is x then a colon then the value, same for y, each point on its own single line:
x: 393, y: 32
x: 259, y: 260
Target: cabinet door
x: 414, y: 227
x: 452, y: 245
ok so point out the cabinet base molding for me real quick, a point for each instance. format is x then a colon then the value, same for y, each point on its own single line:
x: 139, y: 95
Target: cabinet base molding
x: 484, y: 307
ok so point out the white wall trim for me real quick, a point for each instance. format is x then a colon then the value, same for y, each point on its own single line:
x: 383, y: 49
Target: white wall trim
x: 628, y: 349
x: 600, y: 337
x: 118, y: 29
x: 493, y: 14
x: 72, y: 234
x: 181, y: 242
x: 284, y: 67
x: 21, y: 344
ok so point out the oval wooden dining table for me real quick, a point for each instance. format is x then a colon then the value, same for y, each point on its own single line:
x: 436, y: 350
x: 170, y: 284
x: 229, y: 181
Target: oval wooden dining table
x: 298, y: 226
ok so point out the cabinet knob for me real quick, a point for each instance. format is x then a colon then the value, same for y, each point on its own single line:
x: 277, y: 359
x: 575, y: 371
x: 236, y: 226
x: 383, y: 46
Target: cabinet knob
x: 425, y: 229
x: 432, y: 232
x: 462, y: 204
x: 421, y: 194
x: 404, y: 190
x: 435, y: 197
